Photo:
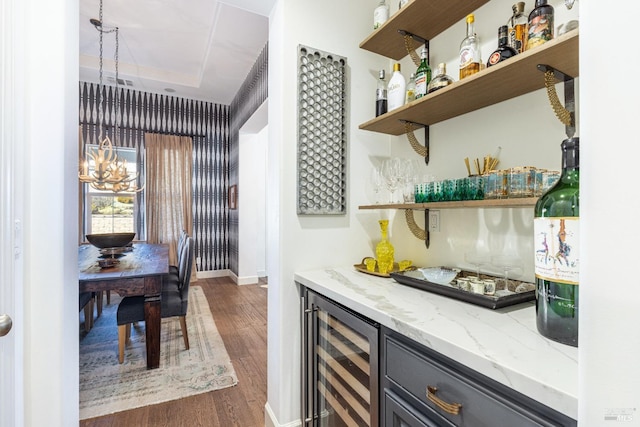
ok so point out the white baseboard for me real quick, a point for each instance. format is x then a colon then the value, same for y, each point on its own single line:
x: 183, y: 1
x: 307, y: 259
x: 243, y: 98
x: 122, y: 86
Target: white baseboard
x: 271, y: 421
x: 247, y: 280
x: 213, y: 273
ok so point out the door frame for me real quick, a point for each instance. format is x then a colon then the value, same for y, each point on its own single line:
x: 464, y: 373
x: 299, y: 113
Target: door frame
x: 11, y: 189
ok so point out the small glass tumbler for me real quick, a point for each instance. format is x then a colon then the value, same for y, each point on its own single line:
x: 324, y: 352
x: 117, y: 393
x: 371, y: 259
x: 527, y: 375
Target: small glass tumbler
x: 449, y: 190
x: 462, y: 189
x: 475, y: 187
x: 371, y: 264
x: 516, y: 182
x: 436, y: 191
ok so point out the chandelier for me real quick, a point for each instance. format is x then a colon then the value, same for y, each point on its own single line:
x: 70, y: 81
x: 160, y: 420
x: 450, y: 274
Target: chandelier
x: 109, y: 173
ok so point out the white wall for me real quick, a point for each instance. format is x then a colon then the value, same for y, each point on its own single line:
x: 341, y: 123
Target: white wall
x: 301, y: 242
x: 48, y: 93
x: 610, y: 231
x: 525, y: 128
x: 252, y: 193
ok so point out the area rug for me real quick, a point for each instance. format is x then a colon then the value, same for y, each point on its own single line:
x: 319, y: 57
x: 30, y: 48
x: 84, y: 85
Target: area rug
x: 107, y: 386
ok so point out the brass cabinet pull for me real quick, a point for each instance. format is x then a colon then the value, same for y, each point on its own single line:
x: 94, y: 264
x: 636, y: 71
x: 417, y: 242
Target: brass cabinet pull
x: 450, y: 408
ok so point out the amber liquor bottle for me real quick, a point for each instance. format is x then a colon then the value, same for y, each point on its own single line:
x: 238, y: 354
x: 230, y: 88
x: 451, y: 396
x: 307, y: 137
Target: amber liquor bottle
x: 504, y: 51
x: 518, y: 27
x: 470, y: 50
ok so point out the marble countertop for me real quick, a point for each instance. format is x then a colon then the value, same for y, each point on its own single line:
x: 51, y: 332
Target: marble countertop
x: 502, y: 344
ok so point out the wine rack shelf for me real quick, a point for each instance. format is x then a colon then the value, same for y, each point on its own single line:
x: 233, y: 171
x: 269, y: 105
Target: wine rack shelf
x: 423, y: 18
x: 506, y: 80
x: 464, y: 204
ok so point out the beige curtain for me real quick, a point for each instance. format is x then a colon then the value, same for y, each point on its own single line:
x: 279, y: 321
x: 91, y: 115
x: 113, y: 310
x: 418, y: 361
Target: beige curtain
x: 169, y: 164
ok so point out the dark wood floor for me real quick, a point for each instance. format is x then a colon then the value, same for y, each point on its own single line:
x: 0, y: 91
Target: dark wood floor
x: 240, y: 313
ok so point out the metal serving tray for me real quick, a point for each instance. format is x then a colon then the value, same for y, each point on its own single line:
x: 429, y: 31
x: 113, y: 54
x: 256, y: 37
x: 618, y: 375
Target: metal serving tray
x: 526, y: 290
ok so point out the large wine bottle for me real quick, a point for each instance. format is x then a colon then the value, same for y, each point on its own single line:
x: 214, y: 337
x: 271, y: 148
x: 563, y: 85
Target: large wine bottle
x: 557, y: 254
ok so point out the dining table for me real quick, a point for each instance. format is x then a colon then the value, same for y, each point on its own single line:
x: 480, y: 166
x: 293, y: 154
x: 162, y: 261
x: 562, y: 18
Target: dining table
x: 138, y: 269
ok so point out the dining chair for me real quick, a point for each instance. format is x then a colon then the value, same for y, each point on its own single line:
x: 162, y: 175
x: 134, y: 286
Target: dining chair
x: 173, y: 301
x: 86, y: 302
x: 181, y: 241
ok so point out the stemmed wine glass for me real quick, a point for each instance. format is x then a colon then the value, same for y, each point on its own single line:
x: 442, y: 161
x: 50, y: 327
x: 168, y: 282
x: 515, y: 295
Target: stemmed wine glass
x: 391, y: 174
x: 478, y: 259
x: 507, y: 263
x: 377, y: 181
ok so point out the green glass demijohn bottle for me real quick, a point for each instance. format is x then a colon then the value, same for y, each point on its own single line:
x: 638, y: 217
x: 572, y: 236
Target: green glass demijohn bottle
x: 556, y: 228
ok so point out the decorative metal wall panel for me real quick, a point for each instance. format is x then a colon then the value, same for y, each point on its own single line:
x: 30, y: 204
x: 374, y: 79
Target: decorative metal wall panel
x: 206, y: 123
x: 321, y: 132
x: 249, y: 98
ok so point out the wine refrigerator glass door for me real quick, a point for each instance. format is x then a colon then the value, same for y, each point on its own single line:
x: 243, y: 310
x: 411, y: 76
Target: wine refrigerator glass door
x: 343, y: 377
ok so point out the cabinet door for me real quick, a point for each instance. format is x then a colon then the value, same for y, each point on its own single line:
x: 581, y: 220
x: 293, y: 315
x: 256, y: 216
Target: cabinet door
x: 345, y: 366
x: 398, y: 413
x: 464, y: 398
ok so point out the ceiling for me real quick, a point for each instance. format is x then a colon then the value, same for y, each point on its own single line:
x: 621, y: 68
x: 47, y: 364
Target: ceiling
x: 198, y: 49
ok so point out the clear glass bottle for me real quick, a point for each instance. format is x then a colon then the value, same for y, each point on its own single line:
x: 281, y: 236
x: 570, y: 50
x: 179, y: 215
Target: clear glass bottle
x: 380, y: 14
x: 556, y: 227
x: 518, y: 25
x: 440, y: 80
x: 402, y: 3
x: 423, y: 74
x: 504, y: 51
x: 411, y: 89
x: 541, y: 28
x: 396, y: 89
x: 470, y: 57
x: 381, y: 94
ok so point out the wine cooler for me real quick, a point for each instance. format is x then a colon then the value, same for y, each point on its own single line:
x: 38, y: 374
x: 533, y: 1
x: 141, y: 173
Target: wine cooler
x: 339, y: 365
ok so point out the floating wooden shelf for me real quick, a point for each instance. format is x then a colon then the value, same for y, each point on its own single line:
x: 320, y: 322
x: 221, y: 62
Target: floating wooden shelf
x: 506, y: 80
x: 489, y: 203
x: 424, y: 18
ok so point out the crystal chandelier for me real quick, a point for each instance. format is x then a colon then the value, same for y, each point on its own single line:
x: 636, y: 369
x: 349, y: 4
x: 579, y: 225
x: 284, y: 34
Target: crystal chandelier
x: 109, y: 173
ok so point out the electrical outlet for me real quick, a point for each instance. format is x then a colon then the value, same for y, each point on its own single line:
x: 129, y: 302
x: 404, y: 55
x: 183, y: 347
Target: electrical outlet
x: 434, y: 221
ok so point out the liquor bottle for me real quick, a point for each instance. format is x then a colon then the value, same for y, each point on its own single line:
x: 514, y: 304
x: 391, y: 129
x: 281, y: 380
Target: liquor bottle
x: 440, y: 80
x: 504, y: 51
x: 540, y: 24
x: 380, y: 14
x: 411, y: 89
x: 396, y: 89
x: 423, y: 75
x: 557, y: 257
x: 518, y: 24
x: 402, y: 3
x: 470, y: 51
x: 381, y: 95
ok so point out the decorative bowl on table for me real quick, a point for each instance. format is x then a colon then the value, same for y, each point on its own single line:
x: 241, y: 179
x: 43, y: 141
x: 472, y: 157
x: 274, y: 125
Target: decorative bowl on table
x: 110, y: 240
x: 439, y: 275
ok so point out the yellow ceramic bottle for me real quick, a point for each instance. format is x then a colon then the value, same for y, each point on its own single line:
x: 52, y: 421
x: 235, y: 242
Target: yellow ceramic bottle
x: 384, y: 250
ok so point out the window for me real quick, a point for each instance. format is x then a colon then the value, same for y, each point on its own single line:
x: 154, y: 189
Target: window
x: 108, y: 212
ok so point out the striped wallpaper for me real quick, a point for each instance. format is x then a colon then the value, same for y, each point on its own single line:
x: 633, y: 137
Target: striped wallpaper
x: 206, y: 123
x: 249, y: 98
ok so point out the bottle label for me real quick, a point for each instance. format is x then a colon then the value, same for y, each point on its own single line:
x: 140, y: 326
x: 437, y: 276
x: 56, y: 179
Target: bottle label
x: 557, y: 249
x: 421, y: 84
x: 466, y: 57
x: 540, y: 30
x: 494, y: 58
x: 380, y: 16
x: 517, y: 37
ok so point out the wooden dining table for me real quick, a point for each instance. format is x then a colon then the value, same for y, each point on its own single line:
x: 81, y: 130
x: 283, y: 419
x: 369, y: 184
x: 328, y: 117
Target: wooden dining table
x: 139, y: 271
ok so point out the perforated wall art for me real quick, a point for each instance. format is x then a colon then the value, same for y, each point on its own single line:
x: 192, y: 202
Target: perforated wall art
x: 321, y: 132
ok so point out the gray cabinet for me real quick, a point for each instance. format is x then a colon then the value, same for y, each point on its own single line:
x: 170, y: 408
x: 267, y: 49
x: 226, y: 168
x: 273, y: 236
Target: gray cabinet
x: 438, y: 391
